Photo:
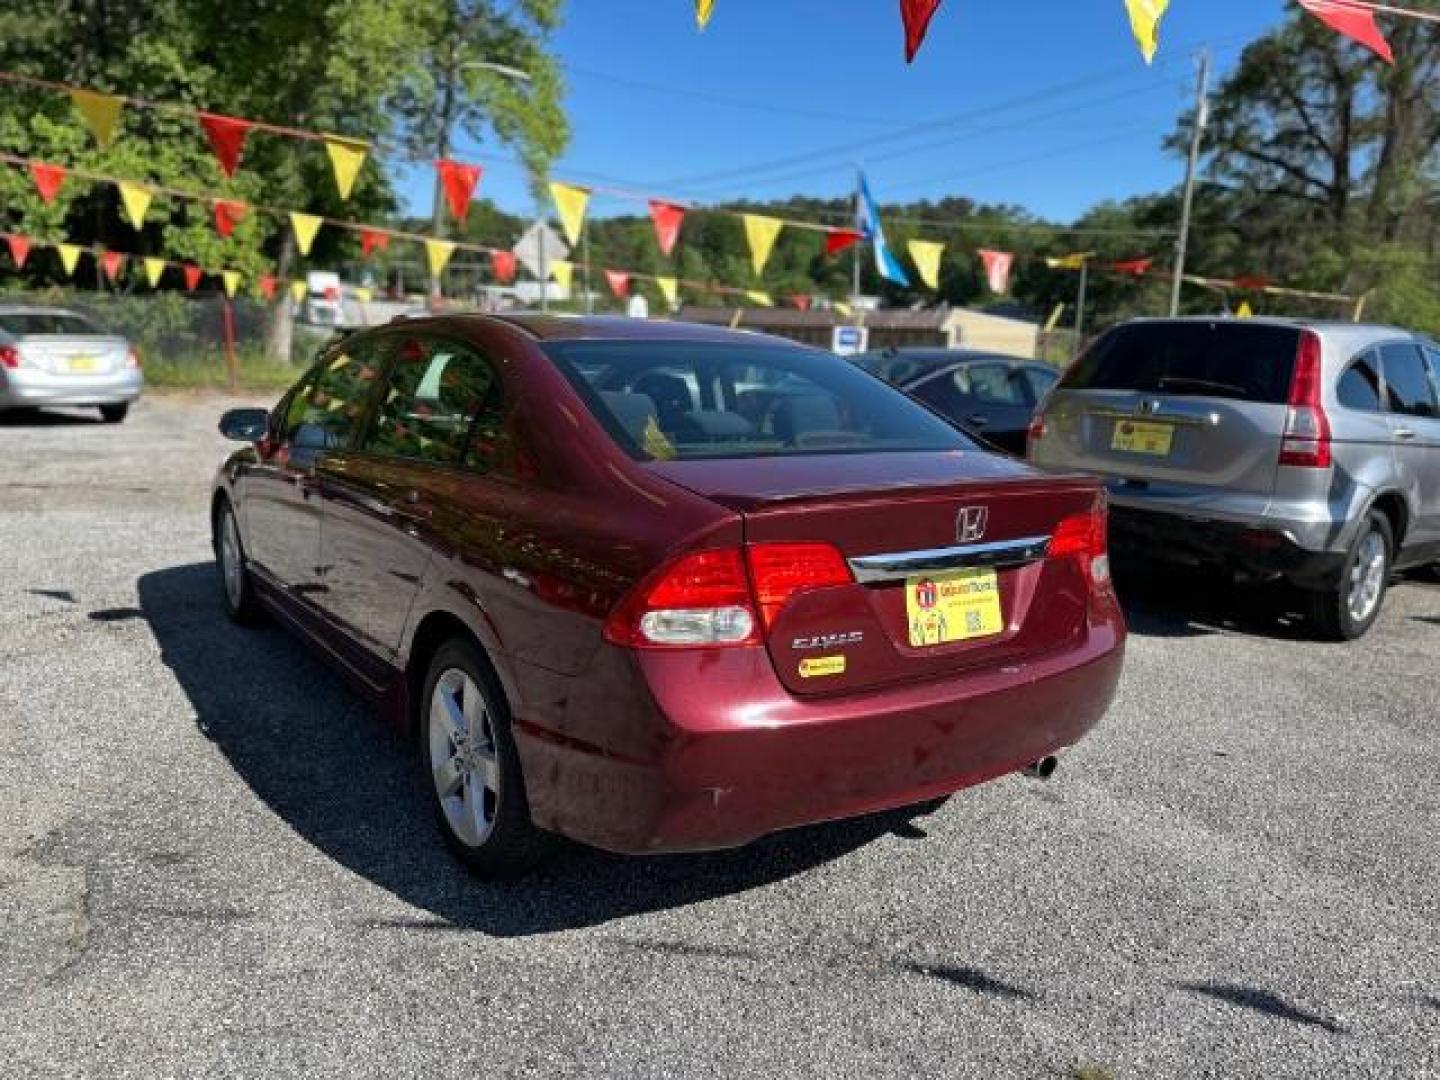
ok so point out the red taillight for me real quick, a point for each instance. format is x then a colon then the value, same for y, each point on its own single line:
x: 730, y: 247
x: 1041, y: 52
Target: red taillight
x: 1085, y: 537
x: 9, y: 356
x: 1306, y: 441
x: 1036, y: 431
x: 780, y: 571
x: 711, y: 598
x: 132, y: 357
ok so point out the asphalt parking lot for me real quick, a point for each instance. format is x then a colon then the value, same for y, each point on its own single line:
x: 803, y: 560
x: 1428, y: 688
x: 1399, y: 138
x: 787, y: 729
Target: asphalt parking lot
x: 214, y: 860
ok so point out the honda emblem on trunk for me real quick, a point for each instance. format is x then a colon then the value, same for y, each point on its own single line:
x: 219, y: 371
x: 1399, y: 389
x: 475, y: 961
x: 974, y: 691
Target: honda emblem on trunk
x: 971, y: 522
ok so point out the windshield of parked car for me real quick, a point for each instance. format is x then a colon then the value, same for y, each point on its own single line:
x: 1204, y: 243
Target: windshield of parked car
x: 665, y: 400
x: 23, y: 323
x: 1243, y: 361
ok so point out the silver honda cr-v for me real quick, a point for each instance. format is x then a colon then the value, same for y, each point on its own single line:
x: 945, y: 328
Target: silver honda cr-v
x: 1273, y: 448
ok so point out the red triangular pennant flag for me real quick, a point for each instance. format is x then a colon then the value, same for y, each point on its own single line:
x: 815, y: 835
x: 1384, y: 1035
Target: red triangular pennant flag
x: 227, y: 138
x: 801, y: 302
x: 459, y: 182
x: 267, y: 286
x: 19, y: 249
x: 111, y: 261
x: 837, y: 240
x: 916, y: 14
x: 1134, y: 267
x: 48, y: 179
x: 667, y: 218
x: 192, y: 276
x: 371, y: 241
x: 503, y: 263
x: 619, y: 283
x: 228, y: 214
x: 1355, y: 22
x: 1252, y: 281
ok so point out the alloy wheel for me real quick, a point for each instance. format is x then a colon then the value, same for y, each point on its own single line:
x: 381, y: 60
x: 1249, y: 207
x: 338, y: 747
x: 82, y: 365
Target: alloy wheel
x: 232, y: 567
x: 464, y: 763
x: 1367, y: 576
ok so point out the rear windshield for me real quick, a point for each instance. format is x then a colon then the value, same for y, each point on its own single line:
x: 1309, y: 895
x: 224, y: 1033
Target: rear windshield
x: 676, y: 400
x: 21, y: 323
x: 1244, y: 361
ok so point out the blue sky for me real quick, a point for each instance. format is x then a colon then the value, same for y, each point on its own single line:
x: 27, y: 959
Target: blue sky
x: 1041, y: 103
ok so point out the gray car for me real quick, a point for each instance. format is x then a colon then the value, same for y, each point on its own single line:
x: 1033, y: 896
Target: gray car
x: 1308, y: 451
x: 50, y: 356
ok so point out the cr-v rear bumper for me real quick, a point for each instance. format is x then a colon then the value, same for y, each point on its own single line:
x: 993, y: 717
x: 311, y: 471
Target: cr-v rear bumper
x: 1259, y: 550
x: 708, y: 750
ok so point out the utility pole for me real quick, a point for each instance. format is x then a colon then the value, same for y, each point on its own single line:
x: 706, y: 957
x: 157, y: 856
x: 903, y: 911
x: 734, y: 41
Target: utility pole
x: 1080, y: 308
x: 855, y: 262
x: 1202, y: 116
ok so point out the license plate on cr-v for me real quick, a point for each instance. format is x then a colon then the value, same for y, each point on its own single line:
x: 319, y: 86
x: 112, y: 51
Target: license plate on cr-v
x: 1138, y: 437
x: 955, y: 605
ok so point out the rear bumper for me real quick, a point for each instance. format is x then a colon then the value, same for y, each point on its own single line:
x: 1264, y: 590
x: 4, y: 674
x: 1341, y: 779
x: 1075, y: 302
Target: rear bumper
x: 23, y: 388
x: 718, y: 753
x: 1257, y: 550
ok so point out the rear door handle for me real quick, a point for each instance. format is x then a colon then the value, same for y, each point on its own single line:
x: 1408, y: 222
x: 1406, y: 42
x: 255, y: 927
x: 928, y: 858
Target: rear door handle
x: 1403, y: 433
x: 977, y: 420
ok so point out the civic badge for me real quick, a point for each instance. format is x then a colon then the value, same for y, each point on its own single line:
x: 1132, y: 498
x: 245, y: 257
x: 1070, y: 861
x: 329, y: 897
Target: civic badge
x: 970, y: 523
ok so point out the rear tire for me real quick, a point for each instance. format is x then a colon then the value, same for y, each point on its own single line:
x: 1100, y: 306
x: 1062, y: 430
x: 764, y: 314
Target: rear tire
x: 471, y: 769
x: 237, y: 590
x: 116, y: 413
x: 1347, y: 611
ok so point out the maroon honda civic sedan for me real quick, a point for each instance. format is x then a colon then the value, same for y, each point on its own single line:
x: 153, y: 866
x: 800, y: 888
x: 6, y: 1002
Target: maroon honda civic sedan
x: 661, y: 587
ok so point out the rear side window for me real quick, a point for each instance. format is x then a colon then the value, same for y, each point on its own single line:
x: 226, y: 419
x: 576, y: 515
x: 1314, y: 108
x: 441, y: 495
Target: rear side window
x: 436, y: 393
x: 665, y: 400
x: 1238, y: 360
x: 1407, y: 382
x: 1359, y: 387
x: 1040, y: 382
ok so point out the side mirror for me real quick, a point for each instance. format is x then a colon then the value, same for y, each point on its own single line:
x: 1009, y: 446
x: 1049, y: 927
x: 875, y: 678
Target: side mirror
x: 245, y: 425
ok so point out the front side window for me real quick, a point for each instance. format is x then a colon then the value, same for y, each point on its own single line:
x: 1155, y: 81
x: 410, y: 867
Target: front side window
x: 327, y: 407
x: 663, y: 400
x: 1407, y: 382
x: 442, y: 398
x: 993, y: 384
x: 1359, y: 388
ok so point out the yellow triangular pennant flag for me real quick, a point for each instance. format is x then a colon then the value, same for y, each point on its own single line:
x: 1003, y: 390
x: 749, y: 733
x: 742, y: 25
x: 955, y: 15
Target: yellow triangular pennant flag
x: 298, y: 289
x: 563, y: 272
x: 669, y: 288
x: 761, y: 233
x: 755, y: 296
x: 346, y: 157
x: 137, y: 201
x: 926, y: 256
x: 1145, y: 16
x: 1070, y: 262
x: 438, y: 253
x: 703, y: 10
x: 1244, y: 311
x: 305, y: 226
x: 1054, y: 319
x: 154, y: 269
x: 101, y: 113
x: 69, y: 257
x: 231, y: 280
x: 843, y: 308
x: 571, y: 202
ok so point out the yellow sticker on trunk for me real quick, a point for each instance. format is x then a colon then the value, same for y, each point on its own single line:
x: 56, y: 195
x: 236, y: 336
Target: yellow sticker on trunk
x: 817, y: 666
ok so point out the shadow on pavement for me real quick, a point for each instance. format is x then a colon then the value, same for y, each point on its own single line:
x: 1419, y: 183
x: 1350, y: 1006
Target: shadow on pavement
x: 47, y: 418
x: 317, y: 755
x: 1262, y: 1001
x: 1163, y: 601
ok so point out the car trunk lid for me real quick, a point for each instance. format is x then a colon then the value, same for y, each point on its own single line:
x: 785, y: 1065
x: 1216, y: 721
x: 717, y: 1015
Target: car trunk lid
x: 73, y: 354
x: 966, y: 520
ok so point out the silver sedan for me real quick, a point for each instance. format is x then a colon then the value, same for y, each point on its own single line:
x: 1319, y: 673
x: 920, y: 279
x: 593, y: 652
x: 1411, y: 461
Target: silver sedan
x: 50, y: 356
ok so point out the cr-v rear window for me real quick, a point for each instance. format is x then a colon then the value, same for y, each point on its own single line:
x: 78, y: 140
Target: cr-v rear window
x: 1244, y: 361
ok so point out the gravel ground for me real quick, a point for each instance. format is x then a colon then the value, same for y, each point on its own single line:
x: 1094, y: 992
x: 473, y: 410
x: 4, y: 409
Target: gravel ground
x: 215, y: 861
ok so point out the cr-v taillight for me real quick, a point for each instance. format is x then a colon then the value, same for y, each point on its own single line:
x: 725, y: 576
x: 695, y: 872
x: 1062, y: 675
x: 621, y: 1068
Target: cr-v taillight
x: 9, y: 356
x: 1085, y: 538
x: 722, y: 596
x: 1306, y: 441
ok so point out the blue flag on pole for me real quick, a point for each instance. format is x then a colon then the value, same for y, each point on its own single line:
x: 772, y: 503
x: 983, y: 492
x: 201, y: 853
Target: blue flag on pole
x: 886, y: 264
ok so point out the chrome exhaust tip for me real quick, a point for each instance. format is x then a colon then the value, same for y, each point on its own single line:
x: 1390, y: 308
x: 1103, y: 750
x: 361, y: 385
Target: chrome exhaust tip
x: 1042, y: 769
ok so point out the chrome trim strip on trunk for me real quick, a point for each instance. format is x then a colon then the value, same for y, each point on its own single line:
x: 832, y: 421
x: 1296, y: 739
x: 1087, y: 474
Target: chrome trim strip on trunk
x: 896, y: 566
x: 1179, y: 419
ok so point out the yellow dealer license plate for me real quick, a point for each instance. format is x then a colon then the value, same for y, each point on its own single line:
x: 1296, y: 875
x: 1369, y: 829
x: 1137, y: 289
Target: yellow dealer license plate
x: 81, y: 365
x: 953, y: 606
x: 1138, y: 437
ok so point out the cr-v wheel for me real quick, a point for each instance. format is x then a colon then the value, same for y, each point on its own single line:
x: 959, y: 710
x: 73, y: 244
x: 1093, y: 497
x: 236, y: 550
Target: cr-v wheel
x: 1347, y: 611
x: 236, y: 589
x: 471, y: 766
